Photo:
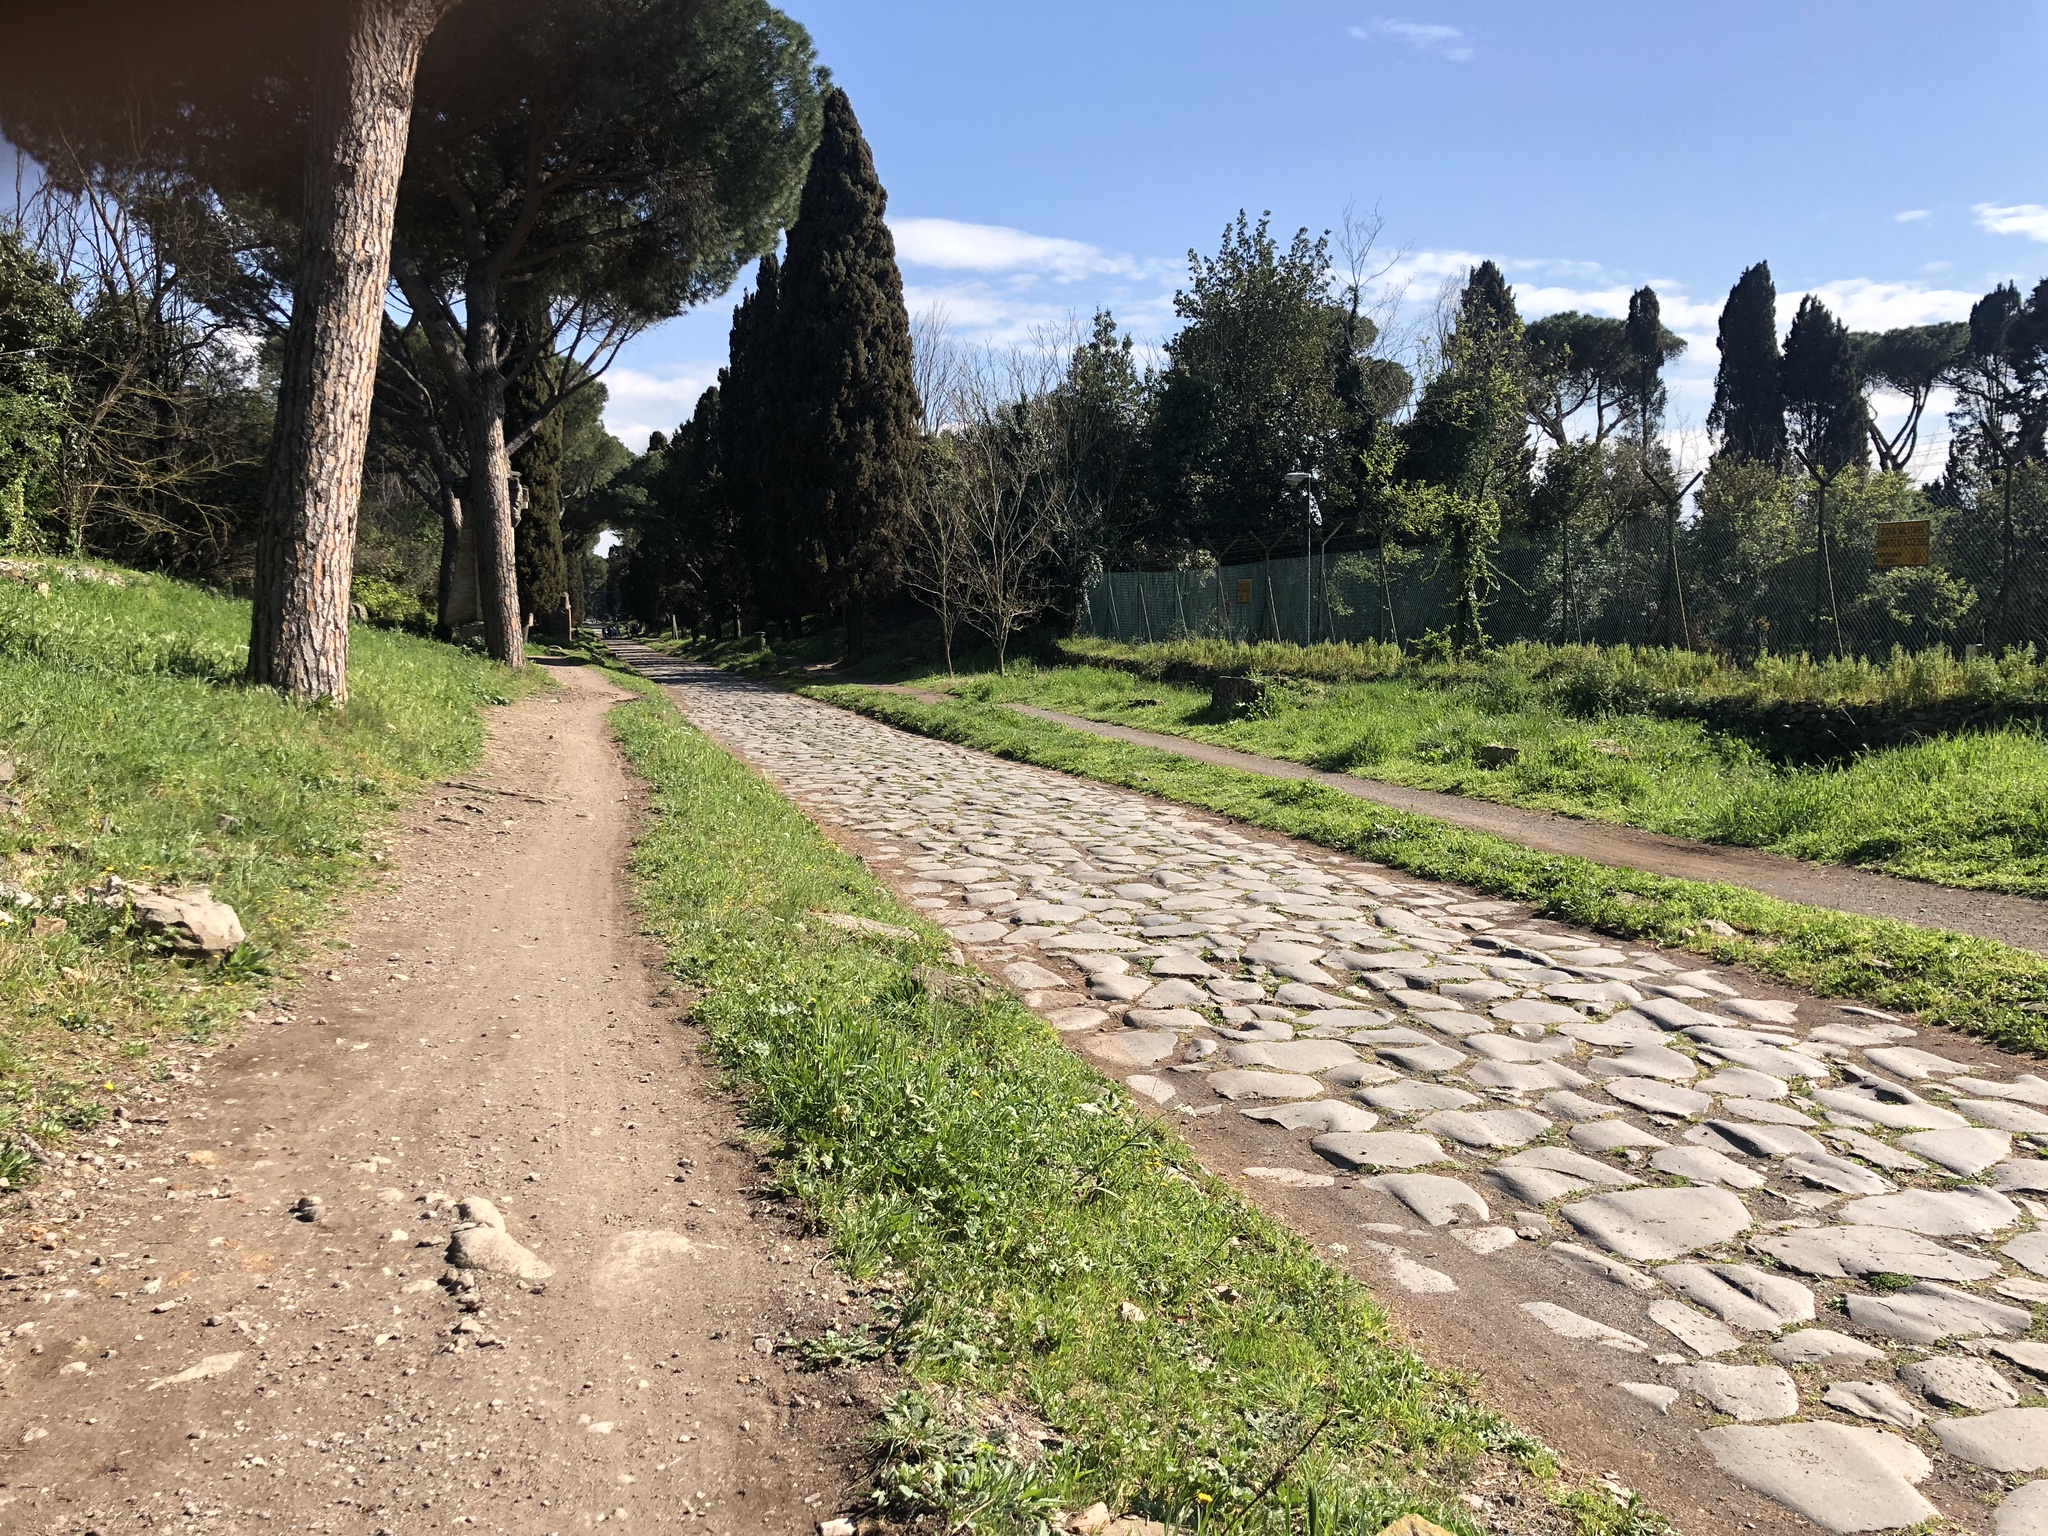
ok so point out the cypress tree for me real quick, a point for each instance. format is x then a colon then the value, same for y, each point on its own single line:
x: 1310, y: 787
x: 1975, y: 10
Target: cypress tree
x: 537, y: 537
x: 845, y: 399
x: 1829, y: 433
x: 743, y: 447
x: 1749, y: 403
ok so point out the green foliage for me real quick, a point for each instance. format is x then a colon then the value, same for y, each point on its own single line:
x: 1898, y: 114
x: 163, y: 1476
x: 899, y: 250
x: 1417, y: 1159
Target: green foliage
x: 1016, y: 1204
x: 37, y: 327
x: 1749, y: 400
x: 141, y: 753
x: 1971, y: 984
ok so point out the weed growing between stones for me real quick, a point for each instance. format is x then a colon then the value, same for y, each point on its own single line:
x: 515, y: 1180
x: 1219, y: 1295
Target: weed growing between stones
x: 1968, y: 983
x: 1082, y: 1312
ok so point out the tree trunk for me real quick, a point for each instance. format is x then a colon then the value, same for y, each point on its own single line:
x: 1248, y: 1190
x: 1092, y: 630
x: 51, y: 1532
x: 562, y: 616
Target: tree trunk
x: 305, y: 547
x: 489, y: 503
x: 451, y: 571
x: 856, y: 627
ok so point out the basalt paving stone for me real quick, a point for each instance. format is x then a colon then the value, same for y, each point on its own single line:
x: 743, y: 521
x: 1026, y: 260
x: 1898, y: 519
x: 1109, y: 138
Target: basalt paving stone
x: 1928, y: 1313
x: 2008, y: 1440
x: 1699, y: 1333
x: 2025, y: 1511
x: 1571, y: 1325
x: 2028, y: 1354
x: 1485, y: 1128
x: 1292, y: 1055
x: 1749, y: 1394
x: 1820, y: 1346
x: 1973, y: 1212
x: 1653, y: 1224
x: 1843, y: 1477
x: 1438, y: 1200
x: 1380, y: 1149
x: 1075, y: 874
x: 1236, y: 1084
x: 1873, y: 1400
x: 1957, y: 1381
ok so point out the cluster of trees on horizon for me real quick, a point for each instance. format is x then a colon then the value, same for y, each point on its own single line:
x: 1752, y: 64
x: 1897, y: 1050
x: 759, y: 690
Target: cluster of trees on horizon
x: 1041, y: 466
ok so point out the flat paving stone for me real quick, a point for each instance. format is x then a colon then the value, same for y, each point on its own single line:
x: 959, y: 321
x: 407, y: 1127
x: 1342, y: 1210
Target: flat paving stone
x: 1571, y: 1325
x: 2030, y: 1251
x: 1492, y: 1047
x: 1820, y: 1346
x: 1909, y: 1113
x: 1964, y: 1153
x: 1960, y: 1382
x: 1069, y: 1021
x: 1699, y: 1333
x: 1317, y: 1115
x: 1765, y: 1010
x: 1242, y: 1084
x: 2008, y: 1440
x: 1380, y: 1149
x: 1656, y: 1395
x: 1611, y: 1136
x: 1742, y: 1295
x: 1767, y: 1140
x: 1112, y: 988
x: 1838, y: 1174
x: 1485, y: 1240
x: 1873, y: 1400
x: 2025, y: 1511
x: 1748, y: 1394
x: 1658, y: 1097
x: 1529, y: 1010
x: 1611, y: 1034
x: 1911, y: 1062
x: 1440, y: 1201
x: 1563, y: 1160
x: 1525, y: 1077
x: 1029, y: 976
x: 1703, y: 1165
x: 1649, y: 1225
x: 2017, y: 1118
x: 1847, y: 1251
x: 1292, y: 1055
x: 1422, y: 1058
x: 1165, y: 1018
x: 1928, y: 1313
x: 1843, y: 1477
x: 1600, y: 1266
x: 1967, y: 1212
x: 1135, y: 1047
x: 1745, y: 1083
x: 1484, y: 1129
x: 1413, y: 1098
x: 1576, y: 1107
x: 1653, y: 1061
x: 2027, y: 1354
x: 1157, y: 1089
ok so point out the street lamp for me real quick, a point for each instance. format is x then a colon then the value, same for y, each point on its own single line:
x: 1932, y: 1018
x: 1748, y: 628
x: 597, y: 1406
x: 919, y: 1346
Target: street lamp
x: 1306, y: 479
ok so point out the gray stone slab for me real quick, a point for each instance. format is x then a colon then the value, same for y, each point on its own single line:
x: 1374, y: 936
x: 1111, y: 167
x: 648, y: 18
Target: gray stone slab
x: 1907, y: 1112
x: 1525, y: 1077
x: 1492, y: 1047
x: 1909, y: 1061
x: 1028, y: 976
x: 1745, y: 1083
x: 1765, y: 1112
x: 1486, y: 1128
x: 1172, y: 993
x: 1601, y: 1267
x: 1315, y: 1115
x: 1774, y: 1060
x: 1422, y: 1058
x: 1650, y: 1225
x: 1838, y: 1174
x: 1574, y: 1107
x: 1873, y: 1400
x: 1699, y: 1333
x: 1703, y: 1165
x: 2009, y: 1440
x: 1767, y: 1140
x: 1843, y: 1477
x: 1238, y: 1083
x: 1960, y: 1382
x: 2027, y: 1088
x: 2025, y: 1511
x: 1612, y: 1034
x: 1748, y: 1394
x: 1820, y: 1346
x: 1928, y: 1313
x: 1408, y: 1097
x: 2028, y: 1175
x: 1292, y: 1055
x: 1657, y: 1097
x: 1070, y: 1021
x: 1742, y: 1295
x: 1611, y: 1136
x: 1165, y: 1018
x: 1847, y: 1251
x: 1440, y: 1201
x: 1299, y: 994
x: 1968, y: 1212
x: 1191, y: 966
x: 1653, y: 1061
x: 1134, y: 1047
x: 1997, y: 1113
x: 1882, y: 1153
x: 1764, y: 1010
x: 1579, y: 1166
x: 1658, y: 1397
x: 1671, y: 1014
x: 2029, y: 1251
x: 1380, y: 1149
x: 1571, y: 1325
x: 1529, y: 1010
x: 2028, y: 1354
x: 1964, y: 1153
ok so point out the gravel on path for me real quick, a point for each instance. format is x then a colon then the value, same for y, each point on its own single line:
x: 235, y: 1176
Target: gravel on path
x: 1636, y: 1198
x: 233, y: 1312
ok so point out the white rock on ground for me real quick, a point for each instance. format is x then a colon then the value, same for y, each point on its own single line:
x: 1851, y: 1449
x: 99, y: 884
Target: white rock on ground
x: 1842, y: 1477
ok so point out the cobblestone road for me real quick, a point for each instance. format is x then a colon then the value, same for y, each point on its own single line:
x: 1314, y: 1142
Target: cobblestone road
x: 1676, y: 1221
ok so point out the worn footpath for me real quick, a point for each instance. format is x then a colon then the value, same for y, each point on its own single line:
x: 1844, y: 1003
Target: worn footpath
x: 1778, y: 1262
x: 235, y: 1311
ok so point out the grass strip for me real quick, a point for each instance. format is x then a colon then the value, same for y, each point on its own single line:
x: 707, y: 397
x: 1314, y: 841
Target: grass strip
x: 1083, y: 1312
x: 139, y: 751
x: 1979, y: 985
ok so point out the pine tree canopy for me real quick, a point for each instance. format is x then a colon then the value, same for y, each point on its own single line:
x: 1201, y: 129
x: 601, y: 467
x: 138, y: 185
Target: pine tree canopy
x: 1824, y: 406
x: 1749, y: 403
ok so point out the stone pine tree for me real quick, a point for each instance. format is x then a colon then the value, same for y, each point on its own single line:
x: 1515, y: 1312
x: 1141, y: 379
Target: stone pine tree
x: 537, y: 536
x: 845, y: 407
x: 1827, y: 431
x: 742, y: 432
x: 1749, y: 400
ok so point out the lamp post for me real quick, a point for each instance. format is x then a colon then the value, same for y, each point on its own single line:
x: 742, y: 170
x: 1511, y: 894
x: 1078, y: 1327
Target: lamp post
x: 1306, y: 479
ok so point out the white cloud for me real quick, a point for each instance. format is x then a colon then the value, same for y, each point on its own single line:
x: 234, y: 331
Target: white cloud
x: 2029, y: 219
x: 1453, y: 43
x: 954, y: 246
x: 638, y: 403
x: 1864, y: 305
x: 1912, y: 216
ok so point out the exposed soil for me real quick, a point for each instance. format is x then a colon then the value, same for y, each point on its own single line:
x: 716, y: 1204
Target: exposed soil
x: 180, y: 1351
x: 2021, y: 921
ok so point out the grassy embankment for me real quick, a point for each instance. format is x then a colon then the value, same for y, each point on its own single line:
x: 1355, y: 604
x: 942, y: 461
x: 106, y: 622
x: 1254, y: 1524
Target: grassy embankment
x: 1602, y: 735
x: 140, y: 752
x: 1973, y: 984
x: 1056, y: 1259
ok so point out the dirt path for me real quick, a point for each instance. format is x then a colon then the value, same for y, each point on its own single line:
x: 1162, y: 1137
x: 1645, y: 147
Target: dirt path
x: 2017, y: 920
x: 183, y: 1353
x: 1776, y: 1261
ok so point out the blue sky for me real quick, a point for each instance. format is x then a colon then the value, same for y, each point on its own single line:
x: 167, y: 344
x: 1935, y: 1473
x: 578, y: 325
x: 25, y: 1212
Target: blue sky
x: 1043, y: 159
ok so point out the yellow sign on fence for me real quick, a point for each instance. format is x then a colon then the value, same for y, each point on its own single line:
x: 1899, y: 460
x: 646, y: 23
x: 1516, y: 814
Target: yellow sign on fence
x: 1244, y: 594
x: 1901, y: 544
